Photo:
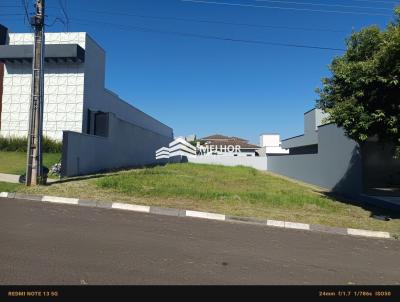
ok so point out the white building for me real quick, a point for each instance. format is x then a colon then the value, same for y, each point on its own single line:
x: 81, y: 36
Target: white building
x: 75, y: 95
x: 99, y: 131
x: 272, y: 144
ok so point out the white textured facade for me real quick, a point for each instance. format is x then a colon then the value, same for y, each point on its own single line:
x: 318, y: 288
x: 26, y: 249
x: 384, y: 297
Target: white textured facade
x: 63, y: 86
x: 71, y: 90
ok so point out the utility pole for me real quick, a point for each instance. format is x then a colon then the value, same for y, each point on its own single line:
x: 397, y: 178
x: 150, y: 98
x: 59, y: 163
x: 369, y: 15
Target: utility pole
x: 34, y: 169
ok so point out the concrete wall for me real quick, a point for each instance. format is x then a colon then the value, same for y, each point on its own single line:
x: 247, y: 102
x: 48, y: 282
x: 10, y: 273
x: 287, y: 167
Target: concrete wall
x: 259, y: 163
x: 127, y: 145
x: 337, y: 165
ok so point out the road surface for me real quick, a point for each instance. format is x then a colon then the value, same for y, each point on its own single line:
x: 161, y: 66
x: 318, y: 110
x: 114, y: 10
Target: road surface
x: 59, y: 244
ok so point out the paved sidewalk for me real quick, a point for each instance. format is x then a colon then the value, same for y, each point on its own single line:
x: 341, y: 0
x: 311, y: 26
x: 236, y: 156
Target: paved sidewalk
x: 9, y: 178
x: 12, y: 178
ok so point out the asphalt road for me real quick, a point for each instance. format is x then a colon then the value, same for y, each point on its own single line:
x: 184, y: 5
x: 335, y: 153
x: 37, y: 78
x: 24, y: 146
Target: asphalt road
x: 59, y: 244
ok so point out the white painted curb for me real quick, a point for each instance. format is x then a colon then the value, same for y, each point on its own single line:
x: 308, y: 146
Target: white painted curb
x: 205, y: 215
x: 297, y: 226
x: 212, y: 216
x: 276, y: 223
x: 130, y: 207
x: 365, y: 233
x: 60, y: 200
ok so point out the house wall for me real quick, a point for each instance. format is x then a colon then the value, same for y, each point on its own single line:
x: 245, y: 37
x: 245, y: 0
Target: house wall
x: 270, y: 140
x: 127, y: 145
x: 70, y: 90
x: 312, y: 120
x: 259, y: 163
x: 337, y: 165
x: 63, y: 86
x: 97, y: 98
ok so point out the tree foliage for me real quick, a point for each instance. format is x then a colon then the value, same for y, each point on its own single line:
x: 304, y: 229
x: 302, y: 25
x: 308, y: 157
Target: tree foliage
x: 363, y: 93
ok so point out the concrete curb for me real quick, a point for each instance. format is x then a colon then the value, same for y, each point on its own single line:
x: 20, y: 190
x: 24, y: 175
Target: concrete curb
x: 197, y: 214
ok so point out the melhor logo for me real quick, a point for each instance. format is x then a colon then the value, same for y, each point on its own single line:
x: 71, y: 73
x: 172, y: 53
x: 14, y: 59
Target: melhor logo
x: 180, y: 147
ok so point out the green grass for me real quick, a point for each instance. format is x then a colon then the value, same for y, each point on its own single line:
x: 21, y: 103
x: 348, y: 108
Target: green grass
x: 238, y: 191
x: 15, y: 162
x: 8, y: 187
x: 227, y: 185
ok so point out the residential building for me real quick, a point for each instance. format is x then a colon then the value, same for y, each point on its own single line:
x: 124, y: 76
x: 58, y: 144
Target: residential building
x: 218, y: 144
x: 75, y: 97
x: 99, y: 130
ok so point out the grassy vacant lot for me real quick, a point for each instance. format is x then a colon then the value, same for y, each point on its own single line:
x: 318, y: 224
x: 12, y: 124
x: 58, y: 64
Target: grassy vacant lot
x: 15, y: 162
x: 236, y: 191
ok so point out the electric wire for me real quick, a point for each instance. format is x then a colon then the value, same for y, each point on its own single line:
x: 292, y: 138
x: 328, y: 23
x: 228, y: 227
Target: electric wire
x: 286, y: 8
x: 214, y: 21
x: 201, y: 36
x: 320, y: 4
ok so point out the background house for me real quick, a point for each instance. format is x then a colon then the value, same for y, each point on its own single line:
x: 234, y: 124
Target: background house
x: 220, y: 143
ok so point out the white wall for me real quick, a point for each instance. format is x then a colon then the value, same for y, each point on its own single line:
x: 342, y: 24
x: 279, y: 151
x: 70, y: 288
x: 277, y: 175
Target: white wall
x: 70, y: 90
x: 270, y: 140
x: 63, y: 88
x: 272, y: 144
x: 259, y: 163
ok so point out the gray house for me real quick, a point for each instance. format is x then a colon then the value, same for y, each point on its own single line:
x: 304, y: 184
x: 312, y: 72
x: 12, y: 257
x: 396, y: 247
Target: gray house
x: 326, y: 157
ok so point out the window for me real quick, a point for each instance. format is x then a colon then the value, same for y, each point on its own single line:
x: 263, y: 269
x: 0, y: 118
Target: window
x: 97, y: 123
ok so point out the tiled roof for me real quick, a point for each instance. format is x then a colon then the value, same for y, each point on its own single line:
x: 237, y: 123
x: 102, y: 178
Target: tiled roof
x: 215, y: 136
x: 222, y: 137
x: 227, y: 141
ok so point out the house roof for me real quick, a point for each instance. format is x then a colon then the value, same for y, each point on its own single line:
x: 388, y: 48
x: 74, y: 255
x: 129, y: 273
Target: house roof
x: 222, y: 140
x: 222, y: 137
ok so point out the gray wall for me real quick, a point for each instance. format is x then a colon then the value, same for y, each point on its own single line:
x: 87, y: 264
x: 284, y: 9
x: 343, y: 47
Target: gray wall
x: 259, y: 163
x: 98, y: 98
x: 337, y: 166
x: 127, y: 145
x: 312, y: 120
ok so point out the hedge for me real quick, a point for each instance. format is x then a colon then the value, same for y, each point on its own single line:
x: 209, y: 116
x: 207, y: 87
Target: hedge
x: 19, y: 144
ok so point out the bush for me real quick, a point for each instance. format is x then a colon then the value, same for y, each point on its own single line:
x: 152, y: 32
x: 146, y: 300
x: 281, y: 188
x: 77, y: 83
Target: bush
x: 51, y: 146
x: 19, y: 144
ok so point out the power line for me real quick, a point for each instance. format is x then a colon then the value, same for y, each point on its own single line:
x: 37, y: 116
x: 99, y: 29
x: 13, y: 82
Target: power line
x: 377, y: 1
x: 286, y: 8
x: 320, y: 4
x: 12, y: 15
x: 55, y: 21
x: 185, y: 34
x: 63, y: 9
x: 26, y: 11
x: 215, y: 22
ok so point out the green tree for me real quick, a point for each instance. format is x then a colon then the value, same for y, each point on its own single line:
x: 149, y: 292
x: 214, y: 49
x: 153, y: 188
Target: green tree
x: 363, y: 93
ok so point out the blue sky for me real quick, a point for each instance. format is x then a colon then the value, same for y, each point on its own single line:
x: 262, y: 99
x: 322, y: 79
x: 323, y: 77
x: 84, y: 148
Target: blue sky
x: 206, y: 86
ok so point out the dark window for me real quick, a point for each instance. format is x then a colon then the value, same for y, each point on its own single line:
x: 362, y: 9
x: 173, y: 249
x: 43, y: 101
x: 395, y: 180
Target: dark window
x: 310, y: 149
x: 101, y: 124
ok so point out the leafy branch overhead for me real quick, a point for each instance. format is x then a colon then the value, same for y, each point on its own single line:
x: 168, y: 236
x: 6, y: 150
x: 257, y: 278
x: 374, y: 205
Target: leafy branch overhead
x: 363, y: 93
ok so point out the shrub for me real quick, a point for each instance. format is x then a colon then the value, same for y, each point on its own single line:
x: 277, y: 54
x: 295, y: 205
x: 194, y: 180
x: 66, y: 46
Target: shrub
x: 19, y: 144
